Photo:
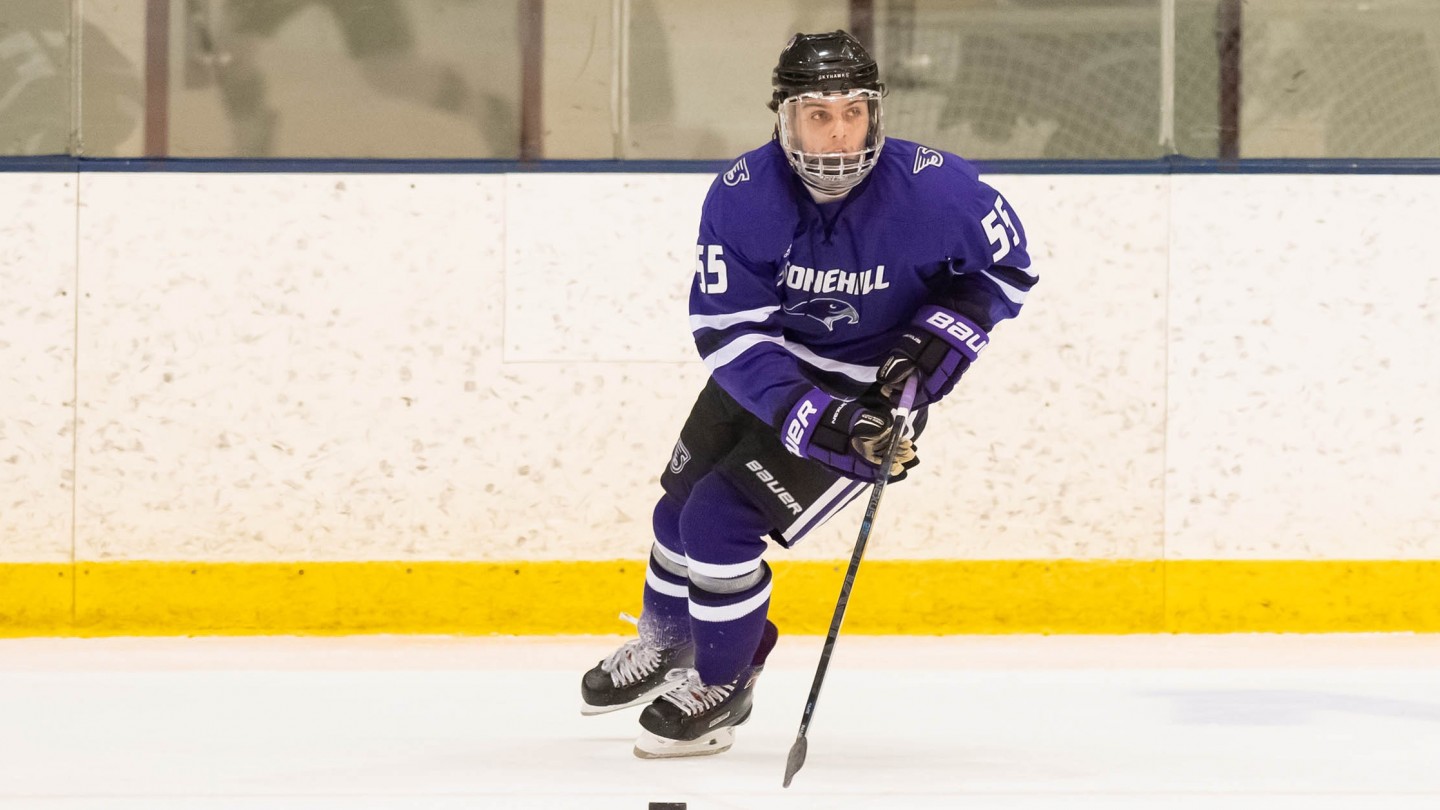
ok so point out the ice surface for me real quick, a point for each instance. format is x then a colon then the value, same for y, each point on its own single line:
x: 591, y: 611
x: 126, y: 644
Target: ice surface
x: 1013, y: 722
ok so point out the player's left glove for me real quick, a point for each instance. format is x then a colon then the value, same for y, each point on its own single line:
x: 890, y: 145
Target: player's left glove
x: 837, y: 433
x: 847, y: 435
x: 940, y: 345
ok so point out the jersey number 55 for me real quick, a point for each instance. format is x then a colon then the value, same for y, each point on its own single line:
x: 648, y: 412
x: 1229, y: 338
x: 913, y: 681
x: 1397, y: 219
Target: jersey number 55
x: 708, y: 264
x: 999, y: 238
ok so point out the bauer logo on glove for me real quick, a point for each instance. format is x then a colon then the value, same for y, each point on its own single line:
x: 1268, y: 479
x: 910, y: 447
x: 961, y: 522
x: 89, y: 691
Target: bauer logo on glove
x: 939, y: 346
x: 841, y: 437
x: 968, y: 334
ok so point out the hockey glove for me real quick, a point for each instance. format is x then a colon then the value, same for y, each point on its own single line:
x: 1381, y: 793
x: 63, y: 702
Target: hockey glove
x: 837, y: 433
x: 873, y: 451
x: 940, y: 345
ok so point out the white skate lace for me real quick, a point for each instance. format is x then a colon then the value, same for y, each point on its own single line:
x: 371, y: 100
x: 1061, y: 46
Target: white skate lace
x: 693, y: 696
x: 634, y: 660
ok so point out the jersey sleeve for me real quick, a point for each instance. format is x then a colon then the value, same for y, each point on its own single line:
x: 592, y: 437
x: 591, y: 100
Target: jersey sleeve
x: 735, y: 310
x: 989, y: 274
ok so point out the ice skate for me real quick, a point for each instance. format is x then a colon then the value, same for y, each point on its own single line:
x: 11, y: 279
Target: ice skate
x: 693, y: 719
x: 632, y: 675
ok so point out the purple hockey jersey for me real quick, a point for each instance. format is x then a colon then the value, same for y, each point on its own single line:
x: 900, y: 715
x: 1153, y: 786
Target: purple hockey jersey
x: 790, y: 294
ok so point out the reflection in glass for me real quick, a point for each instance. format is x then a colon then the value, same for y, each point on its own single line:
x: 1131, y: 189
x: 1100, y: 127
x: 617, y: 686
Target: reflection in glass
x: 578, y: 105
x: 1024, y: 78
x: 34, y: 78
x: 349, y: 78
x: 37, y: 84
x: 696, y: 74
x: 1341, y: 78
x: 1198, y: 36
x: 637, y: 79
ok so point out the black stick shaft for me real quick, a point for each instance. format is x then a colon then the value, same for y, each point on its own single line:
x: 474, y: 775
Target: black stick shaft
x: 797, y: 751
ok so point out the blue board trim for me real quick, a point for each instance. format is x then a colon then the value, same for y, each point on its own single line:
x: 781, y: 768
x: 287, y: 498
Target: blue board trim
x: 1166, y: 165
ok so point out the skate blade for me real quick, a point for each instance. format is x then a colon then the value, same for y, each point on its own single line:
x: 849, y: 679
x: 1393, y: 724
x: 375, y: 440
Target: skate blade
x: 650, y: 746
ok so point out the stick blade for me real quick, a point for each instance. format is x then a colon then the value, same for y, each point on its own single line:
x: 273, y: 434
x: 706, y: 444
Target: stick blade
x: 796, y: 760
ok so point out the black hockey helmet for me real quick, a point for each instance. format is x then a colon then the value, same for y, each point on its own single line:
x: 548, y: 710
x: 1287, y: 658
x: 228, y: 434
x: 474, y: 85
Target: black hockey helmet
x: 828, y: 116
x: 823, y: 63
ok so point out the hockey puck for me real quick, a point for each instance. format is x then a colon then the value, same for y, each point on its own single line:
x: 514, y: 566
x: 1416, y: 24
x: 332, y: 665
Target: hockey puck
x: 667, y: 805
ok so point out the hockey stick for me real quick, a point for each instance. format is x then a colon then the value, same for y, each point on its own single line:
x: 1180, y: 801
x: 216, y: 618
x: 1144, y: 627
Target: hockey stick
x: 902, y: 418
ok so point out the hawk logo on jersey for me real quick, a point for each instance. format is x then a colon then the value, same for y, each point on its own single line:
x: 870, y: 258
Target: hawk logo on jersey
x: 925, y: 158
x: 679, y: 457
x: 738, y: 174
x: 828, y: 311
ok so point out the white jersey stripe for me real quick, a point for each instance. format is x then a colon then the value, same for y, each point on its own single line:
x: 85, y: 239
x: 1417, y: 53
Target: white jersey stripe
x: 729, y: 319
x: 725, y: 613
x: 865, y: 374
x: 725, y: 354
x: 1015, y: 295
x: 732, y: 350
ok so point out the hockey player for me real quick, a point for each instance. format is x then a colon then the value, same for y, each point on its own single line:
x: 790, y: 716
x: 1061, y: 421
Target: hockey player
x: 832, y: 263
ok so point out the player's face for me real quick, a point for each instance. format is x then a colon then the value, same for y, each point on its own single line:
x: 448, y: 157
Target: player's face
x: 831, y: 139
x: 832, y: 124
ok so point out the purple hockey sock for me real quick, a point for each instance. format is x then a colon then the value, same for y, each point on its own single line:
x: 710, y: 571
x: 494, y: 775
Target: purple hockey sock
x: 665, y: 620
x: 729, y: 582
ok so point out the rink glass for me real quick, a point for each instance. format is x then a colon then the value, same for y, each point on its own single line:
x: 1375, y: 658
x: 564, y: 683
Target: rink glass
x: 687, y: 79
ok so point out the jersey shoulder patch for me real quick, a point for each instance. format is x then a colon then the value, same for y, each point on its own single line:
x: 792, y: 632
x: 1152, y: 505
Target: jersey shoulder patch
x: 739, y: 173
x: 756, y: 171
x: 751, y: 203
x: 938, y: 185
x: 930, y: 165
x: 925, y: 157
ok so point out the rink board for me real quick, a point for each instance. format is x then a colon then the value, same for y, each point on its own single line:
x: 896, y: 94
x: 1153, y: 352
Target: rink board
x: 1216, y: 413
x: 917, y: 597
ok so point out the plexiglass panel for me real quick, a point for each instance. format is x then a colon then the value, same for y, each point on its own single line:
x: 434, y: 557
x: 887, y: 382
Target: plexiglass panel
x: 1341, y: 78
x: 1200, y: 36
x: 697, y: 73
x: 35, y: 78
x: 580, y: 69
x: 345, y: 78
x: 112, y: 79
x: 1024, y: 79
x: 668, y: 79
